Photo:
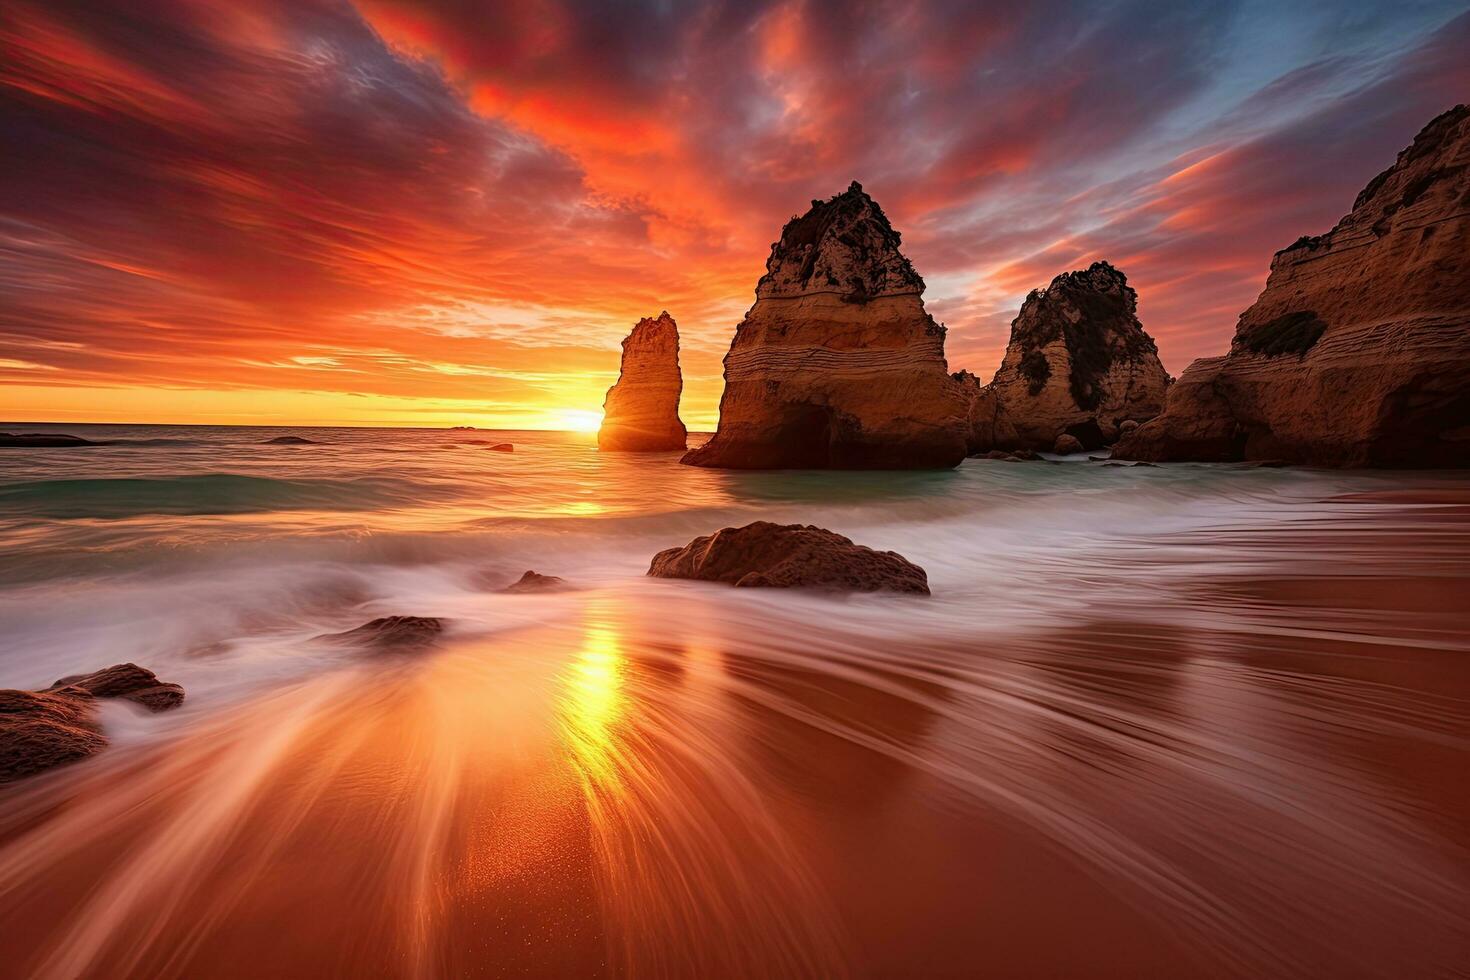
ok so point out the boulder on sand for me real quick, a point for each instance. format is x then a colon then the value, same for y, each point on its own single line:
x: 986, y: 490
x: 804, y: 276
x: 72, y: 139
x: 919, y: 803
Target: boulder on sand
x: 641, y: 411
x: 43, y: 729
x: 837, y: 365
x: 787, y: 556
x: 1357, y: 353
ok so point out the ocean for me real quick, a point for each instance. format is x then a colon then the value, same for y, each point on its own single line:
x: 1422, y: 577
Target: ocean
x: 1212, y: 718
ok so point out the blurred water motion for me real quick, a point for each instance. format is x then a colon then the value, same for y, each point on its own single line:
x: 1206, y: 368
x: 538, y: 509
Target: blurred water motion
x: 1181, y: 722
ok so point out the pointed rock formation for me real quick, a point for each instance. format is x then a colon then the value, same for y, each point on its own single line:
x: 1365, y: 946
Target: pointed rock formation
x: 1358, y: 351
x: 641, y: 411
x: 1078, y: 364
x: 837, y: 365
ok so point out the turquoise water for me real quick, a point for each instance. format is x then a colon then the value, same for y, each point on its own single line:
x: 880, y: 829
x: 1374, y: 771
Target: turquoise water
x: 401, y: 520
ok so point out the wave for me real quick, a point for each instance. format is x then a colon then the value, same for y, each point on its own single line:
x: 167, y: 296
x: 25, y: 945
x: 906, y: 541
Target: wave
x: 204, y: 493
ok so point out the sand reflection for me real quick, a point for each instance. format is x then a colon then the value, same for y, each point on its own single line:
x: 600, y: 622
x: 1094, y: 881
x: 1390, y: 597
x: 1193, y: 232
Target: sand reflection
x: 591, y: 704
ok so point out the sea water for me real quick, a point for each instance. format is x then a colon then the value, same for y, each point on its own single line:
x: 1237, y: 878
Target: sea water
x: 1177, y: 719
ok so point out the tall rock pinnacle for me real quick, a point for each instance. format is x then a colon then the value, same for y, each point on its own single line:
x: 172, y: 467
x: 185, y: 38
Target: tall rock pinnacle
x: 837, y: 365
x: 641, y: 411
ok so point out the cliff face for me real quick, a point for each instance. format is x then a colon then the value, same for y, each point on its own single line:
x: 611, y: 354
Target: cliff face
x: 837, y: 365
x: 641, y: 411
x: 1078, y: 363
x: 1357, y: 353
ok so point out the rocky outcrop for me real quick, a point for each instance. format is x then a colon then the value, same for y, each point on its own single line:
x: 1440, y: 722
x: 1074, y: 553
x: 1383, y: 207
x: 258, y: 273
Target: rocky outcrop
x: 789, y: 556
x: 40, y: 730
x: 502, y: 447
x: 987, y: 424
x: 42, y: 440
x: 641, y: 411
x: 1078, y: 364
x: 1357, y: 353
x: 393, y: 633
x: 837, y: 365
x: 128, y: 682
x: 290, y: 441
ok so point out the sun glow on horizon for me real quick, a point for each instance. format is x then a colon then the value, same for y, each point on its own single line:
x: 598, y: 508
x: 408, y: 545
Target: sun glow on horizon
x: 580, y: 420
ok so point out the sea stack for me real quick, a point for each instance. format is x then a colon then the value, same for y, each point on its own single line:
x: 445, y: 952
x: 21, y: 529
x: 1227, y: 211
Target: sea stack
x: 1079, y: 364
x: 1357, y: 353
x: 641, y: 411
x: 837, y: 365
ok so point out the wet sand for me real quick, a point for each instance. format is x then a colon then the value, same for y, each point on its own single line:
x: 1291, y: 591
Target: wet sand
x: 1254, y: 770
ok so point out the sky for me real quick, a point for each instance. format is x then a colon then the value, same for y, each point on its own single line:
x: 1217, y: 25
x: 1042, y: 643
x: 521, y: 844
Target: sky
x: 452, y: 212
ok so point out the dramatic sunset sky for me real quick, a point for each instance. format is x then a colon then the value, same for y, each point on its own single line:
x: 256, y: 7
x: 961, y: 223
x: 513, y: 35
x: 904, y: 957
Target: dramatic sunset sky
x: 304, y: 211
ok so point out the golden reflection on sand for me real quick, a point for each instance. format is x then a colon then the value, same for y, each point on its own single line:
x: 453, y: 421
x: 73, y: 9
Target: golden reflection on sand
x: 591, y: 703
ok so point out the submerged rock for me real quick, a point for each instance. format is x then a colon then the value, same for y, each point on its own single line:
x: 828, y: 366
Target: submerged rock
x: 40, y: 730
x: 1078, y: 364
x: 787, y: 556
x: 42, y: 440
x: 535, y: 582
x: 837, y: 365
x: 641, y: 411
x: 1357, y: 353
x: 290, y: 441
x: 393, y: 633
x: 502, y: 447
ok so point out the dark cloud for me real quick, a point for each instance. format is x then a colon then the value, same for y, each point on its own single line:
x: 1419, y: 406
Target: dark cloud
x: 450, y: 197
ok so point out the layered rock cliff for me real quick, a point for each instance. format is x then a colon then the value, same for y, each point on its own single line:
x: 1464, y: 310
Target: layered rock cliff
x: 641, y: 411
x: 1078, y: 364
x: 1357, y: 353
x: 837, y: 365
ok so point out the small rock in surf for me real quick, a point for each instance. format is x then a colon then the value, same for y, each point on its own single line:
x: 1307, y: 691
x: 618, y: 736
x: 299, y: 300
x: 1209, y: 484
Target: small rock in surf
x: 394, y: 633
x: 40, y: 730
x: 535, y: 582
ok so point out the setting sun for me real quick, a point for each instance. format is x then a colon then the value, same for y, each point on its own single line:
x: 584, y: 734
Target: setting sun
x: 575, y: 488
x: 580, y: 420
